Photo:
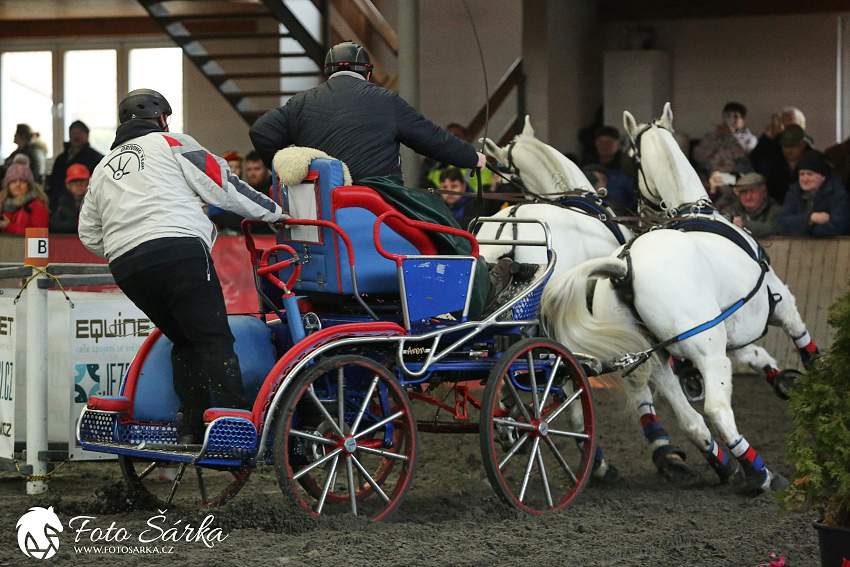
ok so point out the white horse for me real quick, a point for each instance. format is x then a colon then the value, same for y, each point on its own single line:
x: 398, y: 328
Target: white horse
x: 576, y: 236
x: 680, y: 284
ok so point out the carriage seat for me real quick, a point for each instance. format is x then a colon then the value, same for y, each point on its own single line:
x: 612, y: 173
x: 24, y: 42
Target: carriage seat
x: 152, y: 396
x: 353, y: 208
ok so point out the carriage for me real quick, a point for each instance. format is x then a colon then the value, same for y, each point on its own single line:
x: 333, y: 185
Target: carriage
x: 362, y: 326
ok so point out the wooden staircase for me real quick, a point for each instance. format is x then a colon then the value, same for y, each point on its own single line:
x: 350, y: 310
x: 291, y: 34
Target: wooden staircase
x: 257, y: 53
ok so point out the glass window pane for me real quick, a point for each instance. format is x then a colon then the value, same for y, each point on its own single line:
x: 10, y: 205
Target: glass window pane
x: 91, y: 94
x: 26, y: 96
x: 160, y: 69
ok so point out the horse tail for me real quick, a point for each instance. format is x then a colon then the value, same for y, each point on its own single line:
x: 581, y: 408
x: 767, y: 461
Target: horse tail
x: 607, y: 335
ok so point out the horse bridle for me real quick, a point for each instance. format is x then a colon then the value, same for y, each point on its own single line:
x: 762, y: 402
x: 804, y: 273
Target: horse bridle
x: 643, y: 202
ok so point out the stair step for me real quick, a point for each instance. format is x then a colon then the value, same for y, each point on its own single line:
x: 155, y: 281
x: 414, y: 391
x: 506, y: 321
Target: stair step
x: 232, y: 36
x: 220, y: 56
x: 175, y: 18
x: 250, y: 94
x: 270, y: 75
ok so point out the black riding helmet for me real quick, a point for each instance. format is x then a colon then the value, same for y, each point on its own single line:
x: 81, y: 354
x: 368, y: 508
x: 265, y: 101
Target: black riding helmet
x: 347, y: 56
x: 142, y: 103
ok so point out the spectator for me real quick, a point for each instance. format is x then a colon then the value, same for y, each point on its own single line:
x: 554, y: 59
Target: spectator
x: 77, y: 150
x: 234, y: 162
x: 464, y: 208
x: 435, y: 168
x: 724, y: 149
x: 29, y: 144
x: 818, y: 204
x: 595, y: 173
x: 839, y: 156
x: 619, y: 168
x: 257, y: 175
x: 65, y: 218
x: 23, y: 200
x: 767, y: 157
x: 753, y: 208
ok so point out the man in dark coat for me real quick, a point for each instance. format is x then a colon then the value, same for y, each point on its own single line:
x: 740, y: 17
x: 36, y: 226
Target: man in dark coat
x: 363, y: 125
x: 77, y: 150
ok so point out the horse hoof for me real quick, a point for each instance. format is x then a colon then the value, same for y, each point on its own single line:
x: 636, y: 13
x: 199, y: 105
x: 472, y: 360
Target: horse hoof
x: 674, y: 468
x: 784, y: 382
x: 609, y: 478
x: 692, y: 384
x: 751, y: 485
x: 778, y: 482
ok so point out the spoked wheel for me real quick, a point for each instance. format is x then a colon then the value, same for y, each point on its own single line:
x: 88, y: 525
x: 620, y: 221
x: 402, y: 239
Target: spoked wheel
x: 345, y: 439
x: 538, y: 434
x: 158, y: 482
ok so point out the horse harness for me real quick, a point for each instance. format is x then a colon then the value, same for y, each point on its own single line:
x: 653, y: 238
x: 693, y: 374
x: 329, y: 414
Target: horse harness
x: 624, y: 286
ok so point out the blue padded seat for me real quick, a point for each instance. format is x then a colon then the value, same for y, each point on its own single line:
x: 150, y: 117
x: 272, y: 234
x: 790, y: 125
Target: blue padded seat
x: 155, y: 401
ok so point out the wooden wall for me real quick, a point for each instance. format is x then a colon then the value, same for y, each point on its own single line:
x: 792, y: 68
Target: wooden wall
x: 816, y: 272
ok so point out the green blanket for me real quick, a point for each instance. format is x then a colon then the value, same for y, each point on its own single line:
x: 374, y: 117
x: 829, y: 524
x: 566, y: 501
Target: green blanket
x: 430, y: 207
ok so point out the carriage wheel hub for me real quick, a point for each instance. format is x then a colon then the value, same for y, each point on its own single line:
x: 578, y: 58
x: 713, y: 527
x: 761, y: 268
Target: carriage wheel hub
x: 349, y: 444
x: 543, y: 428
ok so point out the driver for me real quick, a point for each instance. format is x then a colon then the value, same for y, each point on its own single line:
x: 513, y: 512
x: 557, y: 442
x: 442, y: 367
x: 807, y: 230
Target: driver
x: 143, y: 212
x: 362, y: 125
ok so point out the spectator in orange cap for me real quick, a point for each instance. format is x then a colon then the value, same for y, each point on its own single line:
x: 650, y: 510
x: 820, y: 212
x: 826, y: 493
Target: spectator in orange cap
x: 64, y: 220
x: 234, y: 162
x: 23, y: 200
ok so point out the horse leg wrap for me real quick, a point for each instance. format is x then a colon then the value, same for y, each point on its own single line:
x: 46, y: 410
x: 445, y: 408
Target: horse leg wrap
x: 602, y: 472
x: 754, y: 470
x: 718, y: 461
x: 770, y: 372
x: 806, y: 347
x: 655, y: 434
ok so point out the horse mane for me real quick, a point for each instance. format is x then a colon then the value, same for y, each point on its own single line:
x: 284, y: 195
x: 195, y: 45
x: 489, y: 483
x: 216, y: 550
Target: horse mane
x: 554, y: 161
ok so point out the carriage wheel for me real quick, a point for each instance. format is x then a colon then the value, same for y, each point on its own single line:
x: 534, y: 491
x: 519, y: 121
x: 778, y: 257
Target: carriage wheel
x: 353, y: 457
x: 153, y: 482
x: 538, y: 434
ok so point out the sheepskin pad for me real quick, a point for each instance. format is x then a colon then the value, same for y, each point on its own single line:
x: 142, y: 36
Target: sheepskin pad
x: 292, y: 164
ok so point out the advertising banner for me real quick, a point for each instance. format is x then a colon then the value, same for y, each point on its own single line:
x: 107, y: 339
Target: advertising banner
x: 105, y: 336
x: 8, y: 328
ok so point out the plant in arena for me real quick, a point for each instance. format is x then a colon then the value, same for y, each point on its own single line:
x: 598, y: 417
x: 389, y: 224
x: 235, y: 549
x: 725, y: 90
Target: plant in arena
x: 820, y: 445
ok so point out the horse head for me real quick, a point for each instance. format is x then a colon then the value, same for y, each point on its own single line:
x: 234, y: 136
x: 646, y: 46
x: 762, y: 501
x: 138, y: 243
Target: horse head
x: 665, y: 176
x: 543, y: 169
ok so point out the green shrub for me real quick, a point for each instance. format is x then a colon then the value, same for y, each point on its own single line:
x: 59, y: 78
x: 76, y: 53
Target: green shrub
x: 819, y: 448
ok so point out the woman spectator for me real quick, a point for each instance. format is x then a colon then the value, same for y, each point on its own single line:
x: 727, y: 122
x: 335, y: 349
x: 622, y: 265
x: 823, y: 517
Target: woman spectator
x: 24, y: 201
x: 818, y: 204
x: 30, y: 145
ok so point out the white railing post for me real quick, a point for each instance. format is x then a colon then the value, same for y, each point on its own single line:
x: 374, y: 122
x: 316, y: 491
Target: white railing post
x: 37, y: 256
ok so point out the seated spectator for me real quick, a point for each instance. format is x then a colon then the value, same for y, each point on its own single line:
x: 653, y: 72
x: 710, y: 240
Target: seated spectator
x: 258, y: 176
x: 724, y: 149
x: 77, y: 151
x: 24, y: 201
x: 753, y: 208
x: 464, y: 208
x: 595, y: 173
x: 234, y: 162
x: 767, y: 157
x: 435, y: 169
x: 839, y: 156
x: 619, y: 168
x: 65, y: 218
x: 818, y: 204
x: 29, y: 145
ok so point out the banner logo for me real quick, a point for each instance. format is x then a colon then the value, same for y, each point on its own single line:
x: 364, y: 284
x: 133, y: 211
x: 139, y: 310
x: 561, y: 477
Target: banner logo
x: 38, y: 533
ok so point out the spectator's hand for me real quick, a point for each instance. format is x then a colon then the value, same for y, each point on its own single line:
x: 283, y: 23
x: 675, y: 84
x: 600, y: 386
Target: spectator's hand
x: 4, y: 222
x: 738, y: 221
x: 482, y: 160
x: 819, y: 218
x: 715, y: 182
x: 723, y: 130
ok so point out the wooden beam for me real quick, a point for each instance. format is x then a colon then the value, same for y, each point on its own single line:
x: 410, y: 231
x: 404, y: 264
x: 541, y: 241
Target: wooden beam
x: 629, y: 10
x: 21, y: 29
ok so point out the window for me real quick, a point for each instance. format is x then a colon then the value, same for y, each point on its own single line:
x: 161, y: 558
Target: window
x: 91, y: 89
x: 89, y: 79
x: 26, y: 96
x: 160, y: 69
